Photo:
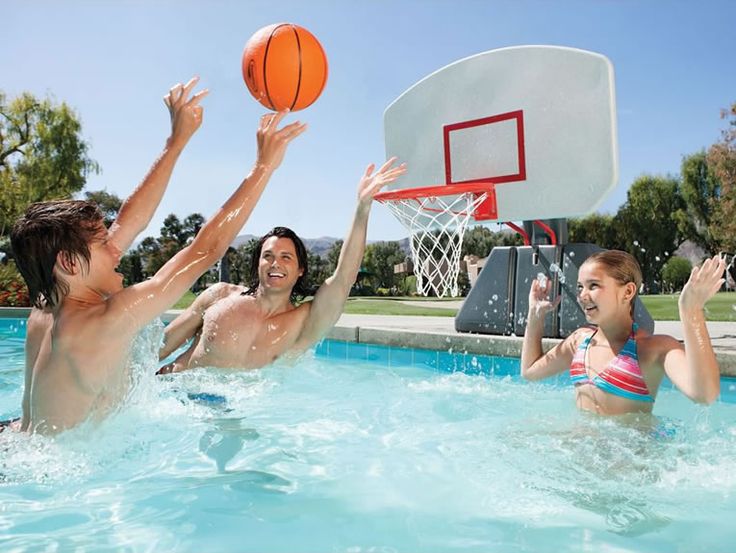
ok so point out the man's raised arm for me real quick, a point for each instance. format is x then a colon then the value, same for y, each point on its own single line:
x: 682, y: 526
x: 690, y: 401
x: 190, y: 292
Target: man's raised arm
x: 138, y: 209
x: 330, y: 298
x: 146, y: 300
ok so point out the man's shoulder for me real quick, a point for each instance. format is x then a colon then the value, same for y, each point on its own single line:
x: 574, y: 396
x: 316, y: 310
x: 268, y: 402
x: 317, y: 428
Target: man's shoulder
x: 221, y: 290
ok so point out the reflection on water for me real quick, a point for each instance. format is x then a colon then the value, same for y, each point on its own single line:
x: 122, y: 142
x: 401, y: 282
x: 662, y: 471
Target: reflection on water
x: 225, y: 440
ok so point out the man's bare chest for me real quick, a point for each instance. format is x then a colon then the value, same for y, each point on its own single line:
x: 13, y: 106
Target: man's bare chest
x: 235, y: 328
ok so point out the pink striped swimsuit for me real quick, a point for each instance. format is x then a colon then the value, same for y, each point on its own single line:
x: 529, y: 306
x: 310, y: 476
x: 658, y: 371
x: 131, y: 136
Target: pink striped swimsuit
x: 621, y: 377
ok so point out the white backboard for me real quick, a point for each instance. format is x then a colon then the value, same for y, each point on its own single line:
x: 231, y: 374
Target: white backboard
x: 539, y: 121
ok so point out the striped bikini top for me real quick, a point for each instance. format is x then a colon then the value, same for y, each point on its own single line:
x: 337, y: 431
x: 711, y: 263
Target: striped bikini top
x: 621, y: 377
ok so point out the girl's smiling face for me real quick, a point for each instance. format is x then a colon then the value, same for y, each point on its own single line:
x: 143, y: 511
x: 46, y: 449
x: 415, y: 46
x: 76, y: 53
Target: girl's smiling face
x: 600, y: 295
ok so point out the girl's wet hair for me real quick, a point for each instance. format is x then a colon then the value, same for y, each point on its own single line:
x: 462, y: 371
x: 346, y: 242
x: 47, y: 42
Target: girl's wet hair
x: 620, y: 266
x: 300, y: 287
x: 47, y: 229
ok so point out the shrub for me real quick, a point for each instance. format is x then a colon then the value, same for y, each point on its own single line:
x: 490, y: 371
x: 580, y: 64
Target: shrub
x: 13, y: 291
x: 675, y: 273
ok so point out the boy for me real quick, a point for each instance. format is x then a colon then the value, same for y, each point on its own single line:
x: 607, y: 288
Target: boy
x: 79, y: 338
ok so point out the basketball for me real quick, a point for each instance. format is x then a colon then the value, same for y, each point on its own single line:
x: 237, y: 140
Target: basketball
x: 284, y: 66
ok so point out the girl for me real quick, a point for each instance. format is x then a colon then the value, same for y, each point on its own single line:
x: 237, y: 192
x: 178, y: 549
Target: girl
x: 615, y: 367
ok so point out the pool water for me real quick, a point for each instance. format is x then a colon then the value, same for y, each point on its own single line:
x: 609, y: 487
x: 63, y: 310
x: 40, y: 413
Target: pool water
x: 362, y: 448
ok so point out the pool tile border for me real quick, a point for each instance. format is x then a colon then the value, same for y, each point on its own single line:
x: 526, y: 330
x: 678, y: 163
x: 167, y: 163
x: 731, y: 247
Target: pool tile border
x: 478, y: 344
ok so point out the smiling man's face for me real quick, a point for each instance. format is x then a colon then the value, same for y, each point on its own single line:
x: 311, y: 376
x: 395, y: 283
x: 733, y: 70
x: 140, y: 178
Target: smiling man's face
x: 278, y: 267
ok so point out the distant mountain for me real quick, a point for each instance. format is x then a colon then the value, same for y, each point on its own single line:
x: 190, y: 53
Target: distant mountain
x: 319, y: 246
x: 242, y: 239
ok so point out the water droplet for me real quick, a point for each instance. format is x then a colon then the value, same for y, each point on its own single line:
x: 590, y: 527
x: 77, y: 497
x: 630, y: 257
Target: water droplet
x: 643, y: 250
x: 636, y: 242
x: 495, y: 296
x: 572, y: 254
x: 656, y: 257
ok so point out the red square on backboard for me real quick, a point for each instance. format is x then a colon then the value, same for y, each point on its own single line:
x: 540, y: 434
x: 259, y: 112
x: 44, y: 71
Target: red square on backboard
x: 516, y: 117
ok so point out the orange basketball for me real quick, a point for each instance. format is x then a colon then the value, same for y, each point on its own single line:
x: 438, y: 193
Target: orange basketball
x: 284, y: 66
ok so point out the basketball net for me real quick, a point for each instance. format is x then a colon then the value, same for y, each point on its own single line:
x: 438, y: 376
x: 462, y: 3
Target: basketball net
x: 436, y: 224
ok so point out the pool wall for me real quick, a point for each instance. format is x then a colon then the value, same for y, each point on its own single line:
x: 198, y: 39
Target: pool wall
x: 438, y: 333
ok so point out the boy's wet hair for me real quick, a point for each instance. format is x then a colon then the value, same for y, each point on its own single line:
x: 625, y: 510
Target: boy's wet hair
x: 46, y: 230
x: 300, y: 289
x: 620, y: 266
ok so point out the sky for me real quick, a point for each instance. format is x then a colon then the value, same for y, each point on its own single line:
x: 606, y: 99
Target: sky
x: 112, y: 62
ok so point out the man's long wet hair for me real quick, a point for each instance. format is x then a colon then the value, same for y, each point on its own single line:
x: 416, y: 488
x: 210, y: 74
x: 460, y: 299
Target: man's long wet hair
x: 300, y: 289
x: 46, y: 230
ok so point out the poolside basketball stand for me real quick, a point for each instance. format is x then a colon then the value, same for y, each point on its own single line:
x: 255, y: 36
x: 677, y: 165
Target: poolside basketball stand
x: 507, y: 276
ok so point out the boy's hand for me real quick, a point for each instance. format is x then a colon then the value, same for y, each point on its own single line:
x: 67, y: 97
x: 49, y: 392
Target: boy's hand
x: 186, y: 113
x: 272, y: 141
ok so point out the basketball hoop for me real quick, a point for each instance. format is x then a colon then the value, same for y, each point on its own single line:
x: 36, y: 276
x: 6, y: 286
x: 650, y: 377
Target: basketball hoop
x: 436, y: 218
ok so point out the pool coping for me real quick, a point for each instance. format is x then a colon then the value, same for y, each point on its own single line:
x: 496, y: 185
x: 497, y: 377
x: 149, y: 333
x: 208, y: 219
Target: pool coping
x: 438, y: 333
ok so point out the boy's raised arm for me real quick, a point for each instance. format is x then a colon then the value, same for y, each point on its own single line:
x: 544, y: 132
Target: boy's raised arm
x: 138, y: 209
x: 143, y: 302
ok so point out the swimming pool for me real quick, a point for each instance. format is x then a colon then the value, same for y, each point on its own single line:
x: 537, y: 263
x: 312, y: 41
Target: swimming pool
x: 393, y: 451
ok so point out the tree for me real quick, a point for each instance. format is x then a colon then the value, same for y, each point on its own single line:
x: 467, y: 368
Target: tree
x: 318, y: 271
x: 721, y: 159
x: 675, y: 273
x: 595, y: 229
x: 108, y: 203
x: 480, y: 240
x: 245, y: 253
x: 173, y: 231
x: 42, y: 155
x: 333, y: 255
x: 131, y: 266
x: 647, y: 224
x: 700, y: 191
x: 379, y: 260
x: 191, y: 225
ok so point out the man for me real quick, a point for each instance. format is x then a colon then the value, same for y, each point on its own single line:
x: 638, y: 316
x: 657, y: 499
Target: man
x: 247, y: 328
x: 79, y: 337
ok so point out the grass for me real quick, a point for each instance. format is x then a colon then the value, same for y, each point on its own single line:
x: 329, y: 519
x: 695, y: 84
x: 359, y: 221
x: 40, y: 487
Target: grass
x: 392, y: 306
x: 185, y: 301
x: 662, y: 307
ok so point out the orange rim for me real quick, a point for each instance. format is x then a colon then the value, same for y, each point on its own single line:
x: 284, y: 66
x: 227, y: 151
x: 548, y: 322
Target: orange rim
x: 438, y: 190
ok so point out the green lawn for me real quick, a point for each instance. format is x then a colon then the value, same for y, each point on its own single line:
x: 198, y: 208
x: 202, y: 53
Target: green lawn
x: 722, y: 307
x: 386, y: 306
x: 662, y: 307
x: 185, y: 301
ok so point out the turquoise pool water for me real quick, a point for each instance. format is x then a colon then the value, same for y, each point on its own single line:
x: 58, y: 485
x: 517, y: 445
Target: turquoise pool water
x: 362, y: 448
